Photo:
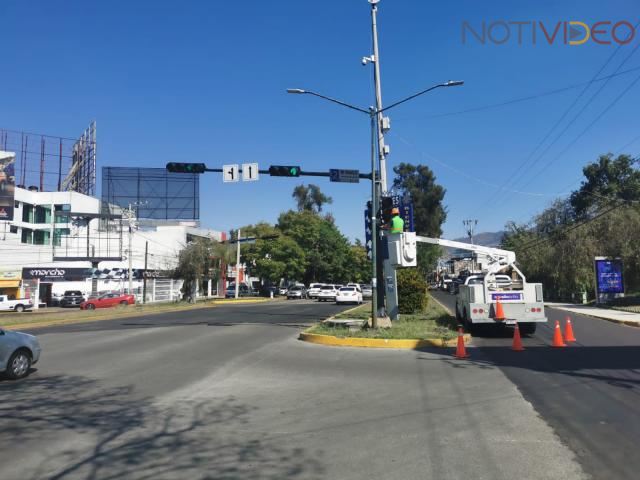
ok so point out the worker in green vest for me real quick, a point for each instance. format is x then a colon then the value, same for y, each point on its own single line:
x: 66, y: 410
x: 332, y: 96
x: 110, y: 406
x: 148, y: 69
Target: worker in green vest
x: 397, y: 224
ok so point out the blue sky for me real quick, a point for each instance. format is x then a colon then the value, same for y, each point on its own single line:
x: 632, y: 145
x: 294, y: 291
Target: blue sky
x: 205, y: 81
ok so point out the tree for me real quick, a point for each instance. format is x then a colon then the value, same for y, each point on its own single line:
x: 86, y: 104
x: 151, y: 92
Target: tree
x: 429, y: 212
x: 310, y: 198
x: 327, y: 251
x: 606, y: 180
x: 557, y: 247
x: 196, y: 263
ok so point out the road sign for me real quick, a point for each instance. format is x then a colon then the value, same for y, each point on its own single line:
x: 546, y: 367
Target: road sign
x: 249, y: 172
x: 406, y: 212
x: 230, y: 173
x: 344, y: 176
x: 405, y: 206
x: 367, y: 229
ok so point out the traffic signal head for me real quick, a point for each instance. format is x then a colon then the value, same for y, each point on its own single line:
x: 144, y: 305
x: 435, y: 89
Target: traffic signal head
x: 386, y: 206
x: 177, y: 167
x: 284, y: 171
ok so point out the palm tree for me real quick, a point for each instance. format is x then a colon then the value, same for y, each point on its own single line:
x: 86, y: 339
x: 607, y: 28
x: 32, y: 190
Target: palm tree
x: 310, y: 198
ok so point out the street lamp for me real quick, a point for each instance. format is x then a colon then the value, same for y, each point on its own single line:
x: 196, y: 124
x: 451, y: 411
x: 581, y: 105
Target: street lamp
x: 373, y: 114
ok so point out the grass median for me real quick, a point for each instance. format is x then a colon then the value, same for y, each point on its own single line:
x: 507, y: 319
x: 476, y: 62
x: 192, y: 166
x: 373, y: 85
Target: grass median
x: 73, y: 315
x: 434, y: 322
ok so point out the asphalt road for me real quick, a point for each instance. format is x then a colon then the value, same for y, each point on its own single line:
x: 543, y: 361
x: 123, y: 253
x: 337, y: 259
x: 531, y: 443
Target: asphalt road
x: 588, y: 392
x: 230, y: 393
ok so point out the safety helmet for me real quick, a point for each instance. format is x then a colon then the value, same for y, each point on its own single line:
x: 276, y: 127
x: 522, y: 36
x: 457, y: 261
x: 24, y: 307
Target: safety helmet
x: 395, y: 211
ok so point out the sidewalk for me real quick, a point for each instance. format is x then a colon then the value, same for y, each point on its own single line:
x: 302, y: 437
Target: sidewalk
x: 617, y: 316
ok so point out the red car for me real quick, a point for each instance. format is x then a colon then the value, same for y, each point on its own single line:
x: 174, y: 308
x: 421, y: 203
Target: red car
x: 107, y: 300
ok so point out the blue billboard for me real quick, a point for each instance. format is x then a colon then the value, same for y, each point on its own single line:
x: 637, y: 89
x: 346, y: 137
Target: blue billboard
x: 609, y: 276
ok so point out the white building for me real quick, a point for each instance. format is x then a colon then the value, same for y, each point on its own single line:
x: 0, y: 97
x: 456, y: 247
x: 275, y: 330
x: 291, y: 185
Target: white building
x: 49, y: 248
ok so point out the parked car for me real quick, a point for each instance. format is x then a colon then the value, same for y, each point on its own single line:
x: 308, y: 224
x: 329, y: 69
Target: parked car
x: 267, y: 291
x: 18, y: 351
x: 327, y: 293
x: 282, y: 290
x: 108, y: 300
x: 72, y: 298
x: 314, y: 289
x: 349, y: 295
x: 15, y: 305
x: 243, y: 291
x: 297, y: 291
x: 367, y: 291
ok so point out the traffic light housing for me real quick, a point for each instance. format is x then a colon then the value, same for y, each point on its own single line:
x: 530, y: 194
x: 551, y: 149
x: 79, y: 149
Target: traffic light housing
x: 284, y: 171
x: 177, y: 167
x: 386, y: 205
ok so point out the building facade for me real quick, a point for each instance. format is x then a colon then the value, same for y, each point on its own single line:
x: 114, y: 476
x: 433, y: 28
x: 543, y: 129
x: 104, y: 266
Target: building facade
x: 62, y: 241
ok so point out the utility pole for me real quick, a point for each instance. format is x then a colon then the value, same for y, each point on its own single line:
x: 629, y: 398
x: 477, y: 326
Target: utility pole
x: 382, y: 148
x: 470, y: 225
x: 238, y: 266
x: 131, y: 226
x: 144, y: 273
x: 384, y: 269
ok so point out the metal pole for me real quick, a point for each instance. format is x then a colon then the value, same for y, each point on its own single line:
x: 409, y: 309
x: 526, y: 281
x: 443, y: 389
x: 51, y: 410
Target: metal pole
x: 238, y: 266
x: 144, y: 273
x: 378, y: 86
x: 130, y: 214
x: 374, y: 229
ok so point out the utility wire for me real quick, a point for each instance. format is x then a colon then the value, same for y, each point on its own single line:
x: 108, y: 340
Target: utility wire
x: 518, y: 174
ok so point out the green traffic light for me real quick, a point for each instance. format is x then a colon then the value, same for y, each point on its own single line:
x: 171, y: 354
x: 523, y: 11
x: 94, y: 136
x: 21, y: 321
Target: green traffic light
x: 293, y: 171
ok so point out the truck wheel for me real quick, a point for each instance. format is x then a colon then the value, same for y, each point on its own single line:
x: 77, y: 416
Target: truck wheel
x: 19, y: 308
x: 528, y: 328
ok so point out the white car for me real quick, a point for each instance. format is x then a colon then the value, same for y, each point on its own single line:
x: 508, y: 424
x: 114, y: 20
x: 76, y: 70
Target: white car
x: 349, y: 295
x: 327, y: 293
x: 356, y: 285
x: 314, y: 289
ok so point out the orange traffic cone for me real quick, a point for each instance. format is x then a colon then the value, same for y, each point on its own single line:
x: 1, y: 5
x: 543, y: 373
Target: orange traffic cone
x: 568, y: 330
x: 517, y: 340
x: 557, y: 337
x: 461, y: 351
x: 499, y: 314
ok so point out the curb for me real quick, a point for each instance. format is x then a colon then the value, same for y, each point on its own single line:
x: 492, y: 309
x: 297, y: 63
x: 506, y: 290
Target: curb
x: 232, y: 301
x: 628, y: 323
x: 404, y: 344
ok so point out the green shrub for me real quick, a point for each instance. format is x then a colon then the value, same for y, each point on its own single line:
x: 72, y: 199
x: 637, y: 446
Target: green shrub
x: 412, y: 291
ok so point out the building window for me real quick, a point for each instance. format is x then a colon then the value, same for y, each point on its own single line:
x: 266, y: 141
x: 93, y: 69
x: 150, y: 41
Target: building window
x: 62, y: 215
x: 27, y: 213
x: 41, y: 237
x: 58, y: 233
x: 27, y: 235
x: 43, y: 214
x: 13, y: 229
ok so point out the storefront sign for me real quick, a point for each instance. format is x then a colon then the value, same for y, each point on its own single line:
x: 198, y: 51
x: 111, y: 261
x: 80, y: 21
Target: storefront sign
x: 64, y: 274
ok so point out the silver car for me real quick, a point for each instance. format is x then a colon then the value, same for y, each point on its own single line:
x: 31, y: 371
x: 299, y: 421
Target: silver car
x: 18, y: 351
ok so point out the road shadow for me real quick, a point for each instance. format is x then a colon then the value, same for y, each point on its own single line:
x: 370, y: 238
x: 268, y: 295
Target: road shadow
x: 62, y: 427
x: 617, y: 366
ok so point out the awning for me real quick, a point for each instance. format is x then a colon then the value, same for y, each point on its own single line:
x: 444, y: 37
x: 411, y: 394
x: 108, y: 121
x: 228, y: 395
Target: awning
x: 9, y: 283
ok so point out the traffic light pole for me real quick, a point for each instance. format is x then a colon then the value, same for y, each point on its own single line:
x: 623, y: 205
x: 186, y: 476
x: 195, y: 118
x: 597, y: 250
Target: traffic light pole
x: 374, y: 228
